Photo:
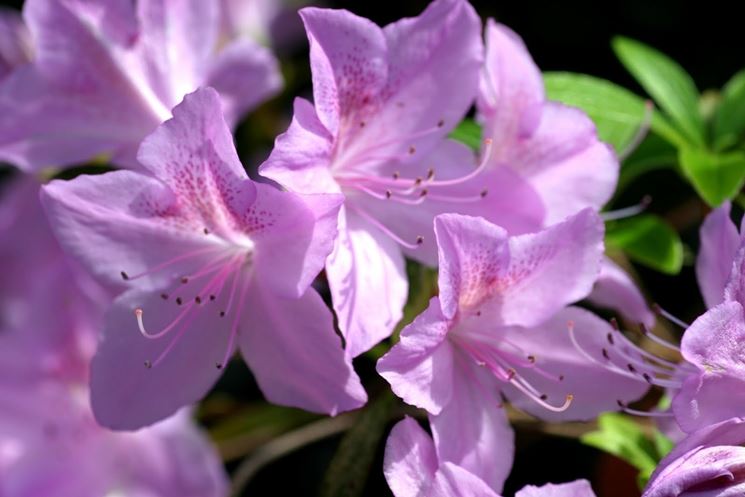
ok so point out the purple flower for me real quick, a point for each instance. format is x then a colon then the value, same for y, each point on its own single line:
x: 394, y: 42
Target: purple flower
x: 708, y: 463
x: 555, y: 148
x: 106, y: 73
x: 385, y: 99
x: 15, y: 43
x: 210, y: 259
x: 49, y: 442
x: 500, y: 324
x: 413, y: 469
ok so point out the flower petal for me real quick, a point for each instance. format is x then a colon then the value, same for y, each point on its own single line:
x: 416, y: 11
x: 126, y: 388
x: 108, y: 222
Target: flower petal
x: 453, y: 481
x: 410, y: 459
x: 296, y: 357
x: 15, y: 42
x: 125, y: 393
x: 578, y: 488
x: 98, y: 219
x: 245, y: 74
x: 616, y: 290
x: 420, y: 366
x: 472, y: 431
x: 556, y: 356
x: 511, y: 88
x: 367, y: 278
x: 715, y: 343
x: 302, y: 154
x: 719, y: 243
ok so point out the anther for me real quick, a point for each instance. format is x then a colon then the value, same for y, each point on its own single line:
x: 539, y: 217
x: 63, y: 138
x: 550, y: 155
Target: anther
x: 423, y: 193
x: 125, y: 276
x: 396, y: 175
x: 388, y: 194
x: 362, y: 124
x: 184, y: 280
x: 531, y: 359
x: 412, y: 149
x: 484, y: 193
x: 430, y: 173
x: 419, y: 240
x: 605, y: 354
x: 647, y: 378
x: 631, y: 367
x: 561, y: 377
x: 621, y: 404
x: 418, y: 181
x: 206, y: 231
x: 148, y: 364
x: 218, y: 365
x: 478, y: 313
x: 198, y: 299
x: 164, y: 296
x: 440, y: 123
x: 614, y: 323
x: 609, y: 336
x: 179, y: 301
x: 543, y: 396
x: 222, y: 314
x: 511, y: 373
x: 212, y: 297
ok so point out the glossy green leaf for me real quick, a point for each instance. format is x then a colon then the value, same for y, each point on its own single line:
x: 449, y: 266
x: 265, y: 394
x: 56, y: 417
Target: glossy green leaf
x: 667, y: 83
x: 715, y: 176
x: 468, y: 132
x: 618, y: 114
x: 729, y: 119
x: 347, y: 474
x: 648, y: 240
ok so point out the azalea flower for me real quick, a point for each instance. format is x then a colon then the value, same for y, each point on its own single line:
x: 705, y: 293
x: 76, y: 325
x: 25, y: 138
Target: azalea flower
x: 384, y: 101
x: 501, y: 325
x: 555, y: 148
x: 708, y: 463
x: 106, y: 73
x: 413, y: 469
x: 209, y: 260
x: 720, y: 241
x: 50, y: 444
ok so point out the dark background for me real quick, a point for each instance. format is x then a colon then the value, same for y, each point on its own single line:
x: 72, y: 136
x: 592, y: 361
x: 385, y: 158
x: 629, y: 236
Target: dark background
x: 706, y: 38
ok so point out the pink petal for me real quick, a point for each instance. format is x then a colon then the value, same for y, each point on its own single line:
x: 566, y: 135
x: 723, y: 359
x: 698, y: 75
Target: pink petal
x: 714, y: 343
x: 98, y: 219
x: 453, y: 481
x: 719, y: 243
x: 511, y: 88
x: 245, y: 74
x: 15, y: 42
x: 125, y: 393
x: 420, y: 366
x: 472, y: 431
x: 578, y: 488
x: 616, y: 290
x: 368, y: 283
x: 301, y: 156
x: 297, y: 235
x: 295, y: 355
x: 565, y: 162
x: 556, y: 355
x: 410, y: 459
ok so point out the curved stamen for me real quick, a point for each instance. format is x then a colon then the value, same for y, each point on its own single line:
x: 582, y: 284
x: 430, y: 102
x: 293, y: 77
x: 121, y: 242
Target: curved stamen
x: 540, y: 400
x: 648, y: 414
x: 387, y: 231
x: 630, y: 211
x: 467, y: 199
x: 662, y: 312
x: 164, y: 331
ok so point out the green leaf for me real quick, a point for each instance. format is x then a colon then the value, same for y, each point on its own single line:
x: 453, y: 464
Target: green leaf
x: 468, y: 132
x: 652, y: 154
x: 622, y: 437
x: 348, y: 471
x: 618, y: 114
x: 666, y: 82
x: 716, y: 177
x: 729, y: 119
x: 648, y: 240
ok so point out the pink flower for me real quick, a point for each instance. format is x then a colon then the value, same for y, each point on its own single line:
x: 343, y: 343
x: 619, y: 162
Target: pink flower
x: 413, y: 469
x: 105, y: 74
x: 555, y: 148
x: 211, y: 259
x: 50, y: 444
x: 500, y: 324
x: 384, y: 101
x: 720, y: 241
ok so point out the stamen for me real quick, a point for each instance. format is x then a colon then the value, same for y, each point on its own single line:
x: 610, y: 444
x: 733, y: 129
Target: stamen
x: 648, y: 414
x: 626, y: 212
x: 662, y: 312
x: 164, y: 331
x: 169, y: 262
x: 386, y: 231
x: 540, y: 400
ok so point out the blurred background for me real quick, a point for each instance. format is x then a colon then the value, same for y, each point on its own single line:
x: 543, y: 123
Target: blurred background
x: 572, y: 35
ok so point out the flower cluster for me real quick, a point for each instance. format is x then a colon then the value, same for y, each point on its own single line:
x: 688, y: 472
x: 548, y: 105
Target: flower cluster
x: 134, y: 288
